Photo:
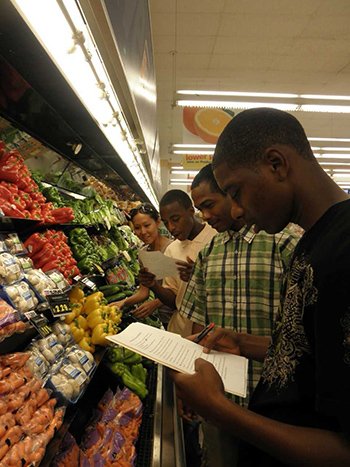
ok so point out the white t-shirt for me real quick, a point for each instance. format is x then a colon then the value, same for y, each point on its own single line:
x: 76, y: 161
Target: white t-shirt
x: 181, y: 250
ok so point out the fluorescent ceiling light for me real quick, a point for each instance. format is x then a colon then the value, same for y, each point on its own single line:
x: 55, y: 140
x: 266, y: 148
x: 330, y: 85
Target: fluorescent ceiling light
x: 177, y: 167
x: 236, y: 94
x: 342, y: 170
x: 333, y: 156
x: 181, y: 180
x: 342, y: 140
x: 341, y: 176
x: 194, y: 146
x: 247, y: 100
x: 204, y: 152
x: 331, y: 148
x: 325, y: 97
x: 325, y: 108
x: 335, y: 163
x: 237, y: 105
x: 184, y: 172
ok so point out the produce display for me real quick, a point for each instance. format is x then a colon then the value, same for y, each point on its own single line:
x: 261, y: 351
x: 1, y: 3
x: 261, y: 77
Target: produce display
x: 55, y: 368
x: 128, y: 366
x: 84, y: 250
x: 91, y: 320
x: 110, y: 437
x: 19, y: 194
x: 10, y: 321
x: 28, y: 418
x: 50, y: 250
x: 93, y: 210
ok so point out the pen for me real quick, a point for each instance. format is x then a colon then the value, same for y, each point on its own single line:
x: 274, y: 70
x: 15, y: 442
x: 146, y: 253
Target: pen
x: 204, y: 333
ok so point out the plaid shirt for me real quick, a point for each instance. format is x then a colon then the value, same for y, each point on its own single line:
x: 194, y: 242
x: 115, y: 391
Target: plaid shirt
x: 236, y: 284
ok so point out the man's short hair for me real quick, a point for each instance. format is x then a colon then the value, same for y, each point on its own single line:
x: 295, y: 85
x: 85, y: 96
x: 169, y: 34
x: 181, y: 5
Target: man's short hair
x: 206, y: 175
x: 247, y: 135
x: 178, y: 196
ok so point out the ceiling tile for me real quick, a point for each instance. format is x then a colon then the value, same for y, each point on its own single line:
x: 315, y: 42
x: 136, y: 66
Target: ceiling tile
x: 192, y: 24
x: 192, y: 61
x: 262, y: 26
x: 164, y: 62
x: 195, y: 44
x: 319, y: 62
x: 200, y: 6
x: 226, y: 45
x: 273, y: 7
x: 165, y: 45
x: 328, y: 27
x: 163, y: 24
x: 240, y: 62
x: 162, y: 6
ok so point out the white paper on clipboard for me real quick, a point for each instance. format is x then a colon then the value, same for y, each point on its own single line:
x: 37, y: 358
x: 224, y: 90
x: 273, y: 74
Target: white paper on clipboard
x: 158, y: 264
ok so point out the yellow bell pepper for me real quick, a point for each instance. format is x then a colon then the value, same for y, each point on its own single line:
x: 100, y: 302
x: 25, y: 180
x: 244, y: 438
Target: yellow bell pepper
x: 76, y: 330
x: 115, y: 315
x: 70, y: 317
x: 76, y: 294
x: 96, y: 317
x: 82, y: 323
x: 95, y: 296
x: 86, y: 344
x: 99, y: 334
x: 93, y: 302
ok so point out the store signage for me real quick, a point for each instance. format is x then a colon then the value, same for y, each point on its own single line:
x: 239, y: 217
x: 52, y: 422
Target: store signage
x: 59, y: 304
x: 196, y: 161
x: 39, y: 322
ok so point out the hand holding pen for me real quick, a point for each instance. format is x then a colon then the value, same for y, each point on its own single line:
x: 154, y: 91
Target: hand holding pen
x: 204, y: 333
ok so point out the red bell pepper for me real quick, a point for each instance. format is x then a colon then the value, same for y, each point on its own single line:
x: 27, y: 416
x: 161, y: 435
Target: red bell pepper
x: 10, y: 209
x: 35, y: 243
x: 55, y: 264
x: 42, y: 252
x: 5, y: 193
x: 10, y: 186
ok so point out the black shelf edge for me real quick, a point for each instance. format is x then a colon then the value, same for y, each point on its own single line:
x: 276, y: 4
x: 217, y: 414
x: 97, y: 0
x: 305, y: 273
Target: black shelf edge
x: 14, y: 224
x: 17, y: 342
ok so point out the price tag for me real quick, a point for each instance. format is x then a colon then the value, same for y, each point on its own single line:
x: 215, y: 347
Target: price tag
x: 88, y: 283
x: 41, y: 324
x: 59, y: 304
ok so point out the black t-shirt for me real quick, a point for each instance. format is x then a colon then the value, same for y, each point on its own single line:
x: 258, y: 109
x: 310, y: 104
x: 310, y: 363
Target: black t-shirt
x: 306, y: 375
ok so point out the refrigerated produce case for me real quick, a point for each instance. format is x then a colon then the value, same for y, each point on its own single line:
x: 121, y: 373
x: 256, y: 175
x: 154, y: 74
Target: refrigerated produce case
x: 53, y: 121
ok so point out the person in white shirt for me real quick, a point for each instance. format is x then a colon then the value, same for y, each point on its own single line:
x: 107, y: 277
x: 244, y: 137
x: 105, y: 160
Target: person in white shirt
x: 177, y: 213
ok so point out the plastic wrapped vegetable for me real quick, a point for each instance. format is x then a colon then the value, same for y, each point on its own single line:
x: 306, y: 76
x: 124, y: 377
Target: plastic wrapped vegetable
x: 10, y: 268
x: 40, y: 281
x: 10, y: 321
x: 22, y: 296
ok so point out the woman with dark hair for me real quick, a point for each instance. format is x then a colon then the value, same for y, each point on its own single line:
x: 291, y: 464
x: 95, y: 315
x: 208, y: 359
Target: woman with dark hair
x: 146, y: 222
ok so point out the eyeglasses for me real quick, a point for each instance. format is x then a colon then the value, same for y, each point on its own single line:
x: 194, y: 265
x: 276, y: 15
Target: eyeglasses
x: 144, y: 209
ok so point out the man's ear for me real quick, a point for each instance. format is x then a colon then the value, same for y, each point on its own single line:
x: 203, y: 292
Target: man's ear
x: 191, y: 210
x: 277, y: 162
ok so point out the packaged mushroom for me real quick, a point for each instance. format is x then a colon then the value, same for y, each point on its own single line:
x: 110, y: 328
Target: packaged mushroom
x: 10, y: 268
x: 20, y: 296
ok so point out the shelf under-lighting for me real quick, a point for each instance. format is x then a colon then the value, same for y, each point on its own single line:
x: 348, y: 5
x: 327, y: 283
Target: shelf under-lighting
x: 62, y: 31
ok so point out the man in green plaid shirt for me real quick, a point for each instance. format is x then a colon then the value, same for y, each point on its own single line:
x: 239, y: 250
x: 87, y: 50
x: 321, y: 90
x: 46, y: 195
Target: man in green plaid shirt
x: 237, y: 277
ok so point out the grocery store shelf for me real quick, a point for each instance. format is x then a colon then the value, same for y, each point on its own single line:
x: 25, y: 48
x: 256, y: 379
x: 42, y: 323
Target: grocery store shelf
x: 17, y: 342
x: 17, y: 224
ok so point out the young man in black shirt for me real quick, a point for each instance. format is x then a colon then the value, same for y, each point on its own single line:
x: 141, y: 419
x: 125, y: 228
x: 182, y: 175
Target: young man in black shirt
x: 300, y: 411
